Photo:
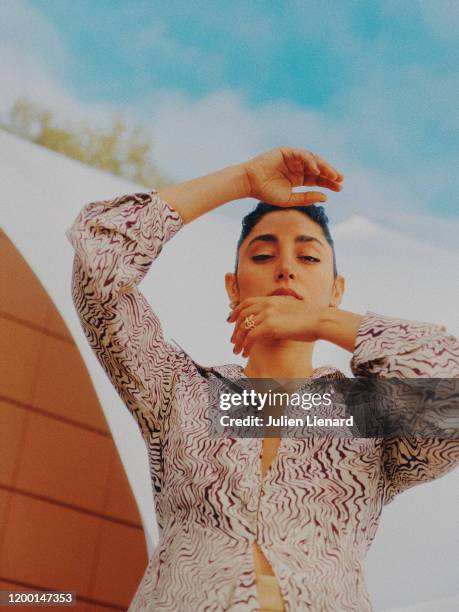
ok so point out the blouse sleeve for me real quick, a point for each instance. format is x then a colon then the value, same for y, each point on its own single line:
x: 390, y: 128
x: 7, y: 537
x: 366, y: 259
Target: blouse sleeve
x: 388, y: 347
x: 115, y: 243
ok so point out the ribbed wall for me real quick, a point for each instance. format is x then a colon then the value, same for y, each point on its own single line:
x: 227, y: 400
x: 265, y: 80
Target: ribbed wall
x: 68, y: 519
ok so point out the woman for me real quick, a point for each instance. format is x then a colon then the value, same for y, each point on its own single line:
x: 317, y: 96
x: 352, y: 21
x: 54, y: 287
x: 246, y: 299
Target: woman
x: 249, y: 524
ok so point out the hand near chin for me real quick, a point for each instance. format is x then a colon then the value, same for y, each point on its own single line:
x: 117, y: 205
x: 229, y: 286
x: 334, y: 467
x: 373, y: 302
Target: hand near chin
x: 276, y: 318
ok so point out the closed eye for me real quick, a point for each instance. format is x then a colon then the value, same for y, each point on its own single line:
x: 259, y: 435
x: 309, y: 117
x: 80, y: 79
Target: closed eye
x: 304, y: 257
x: 309, y: 258
x: 261, y: 257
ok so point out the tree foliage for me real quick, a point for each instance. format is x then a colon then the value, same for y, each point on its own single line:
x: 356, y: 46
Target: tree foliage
x: 117, y: 150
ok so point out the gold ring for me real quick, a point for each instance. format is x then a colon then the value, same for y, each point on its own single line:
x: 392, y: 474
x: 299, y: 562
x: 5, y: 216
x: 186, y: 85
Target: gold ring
x: 249, y: 322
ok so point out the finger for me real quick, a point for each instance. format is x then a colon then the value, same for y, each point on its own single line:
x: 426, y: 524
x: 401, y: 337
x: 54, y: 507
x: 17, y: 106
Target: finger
x: 242, y: 305
x: 239, y: 329
x: 242, y: 314
x: 333, y: 185
x: 238, y: 339
x: 236, y: 310
x: 306, y: 161
x: 250, y: 338
x: 306, y: 198
x: 300, y: 161
x: 242, y: 333
x: 328, y: 170
x: 322, y: 181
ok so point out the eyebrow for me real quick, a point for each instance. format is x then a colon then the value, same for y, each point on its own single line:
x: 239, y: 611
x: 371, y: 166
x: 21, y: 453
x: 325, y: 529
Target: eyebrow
x: 274, y: 238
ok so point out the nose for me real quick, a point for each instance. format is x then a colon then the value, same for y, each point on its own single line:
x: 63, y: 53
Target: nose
x: 285, y: 274
x: 285, y: 271
x: 286, y: 264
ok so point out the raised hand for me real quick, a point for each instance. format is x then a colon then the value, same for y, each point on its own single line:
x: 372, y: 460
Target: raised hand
x: 272, y: 175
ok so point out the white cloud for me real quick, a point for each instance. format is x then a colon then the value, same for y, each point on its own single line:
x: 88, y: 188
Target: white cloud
x: 193, y: 138
x: 23, y: 25
x: 155, y: 40
x: 24, y: 75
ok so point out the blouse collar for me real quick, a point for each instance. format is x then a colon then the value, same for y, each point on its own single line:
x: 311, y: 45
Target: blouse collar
x: 235, y: 371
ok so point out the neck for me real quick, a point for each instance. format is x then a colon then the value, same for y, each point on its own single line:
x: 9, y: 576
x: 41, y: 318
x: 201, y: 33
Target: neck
x: 280, y: 359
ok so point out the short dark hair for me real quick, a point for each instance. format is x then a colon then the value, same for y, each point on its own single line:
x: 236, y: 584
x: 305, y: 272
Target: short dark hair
x: 313, y: 211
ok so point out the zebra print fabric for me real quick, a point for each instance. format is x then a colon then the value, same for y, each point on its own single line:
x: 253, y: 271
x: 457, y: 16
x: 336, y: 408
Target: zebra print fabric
x: 321, y: 498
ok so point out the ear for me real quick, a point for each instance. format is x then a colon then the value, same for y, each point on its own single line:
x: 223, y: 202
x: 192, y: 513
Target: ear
x: 339, y: 286
x: 231, y: 287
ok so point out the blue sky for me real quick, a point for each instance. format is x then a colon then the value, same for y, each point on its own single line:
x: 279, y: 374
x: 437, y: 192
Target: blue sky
x: 371, y: 85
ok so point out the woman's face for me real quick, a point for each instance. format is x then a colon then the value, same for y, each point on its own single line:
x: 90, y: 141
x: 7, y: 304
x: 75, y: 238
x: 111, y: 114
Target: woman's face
x: 286, y: 249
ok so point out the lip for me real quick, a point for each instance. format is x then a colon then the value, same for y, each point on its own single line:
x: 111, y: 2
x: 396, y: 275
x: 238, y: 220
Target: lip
x: 285, y: 291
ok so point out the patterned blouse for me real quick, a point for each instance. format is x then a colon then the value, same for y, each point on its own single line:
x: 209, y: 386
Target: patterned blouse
x: 315, y: 512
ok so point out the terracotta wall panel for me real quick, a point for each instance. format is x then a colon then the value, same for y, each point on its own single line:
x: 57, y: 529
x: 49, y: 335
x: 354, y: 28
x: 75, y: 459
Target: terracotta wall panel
x: 120, y: 547
x: 65, y: 462
x: 119, y: 501
x: 63, y: 386
x: 22, y: 296
x: 12, y: 427
x: 19, y: 358
x: 62, y: 483
x: 105, y: 608
x: 55, y: 324
x: 43, y: 541
x: 4, y: 503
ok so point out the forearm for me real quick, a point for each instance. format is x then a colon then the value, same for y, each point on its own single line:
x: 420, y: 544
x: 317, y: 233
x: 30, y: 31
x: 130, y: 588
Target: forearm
x: 193, y: 198
x: 340, y: 327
